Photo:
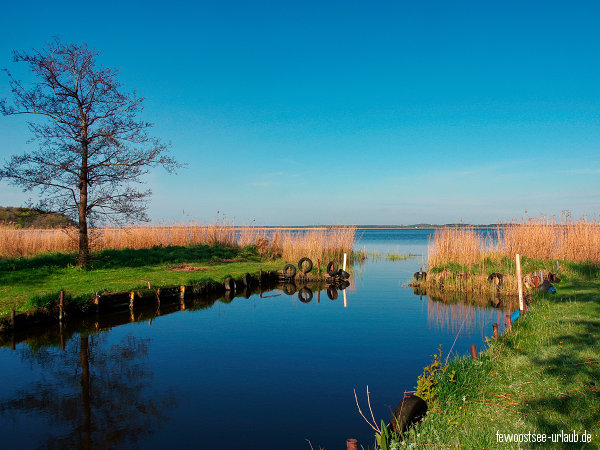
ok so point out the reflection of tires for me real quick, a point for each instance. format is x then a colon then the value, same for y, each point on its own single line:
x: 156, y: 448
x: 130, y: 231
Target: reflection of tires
x: 305, y: 295
x: 332, y: 269
x: 343, y: 284
x: 289, y: 289
x: 309, y: 265
x: 344, y: 274
x: 289, y: 271
x: 332, y: 293
x: 411, y: 409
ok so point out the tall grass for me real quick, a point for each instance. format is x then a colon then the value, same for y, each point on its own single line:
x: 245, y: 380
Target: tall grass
x: 322, y: 244
x: 542, y: 239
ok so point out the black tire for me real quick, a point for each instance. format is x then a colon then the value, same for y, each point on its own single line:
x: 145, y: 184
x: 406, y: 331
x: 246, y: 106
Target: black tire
x: 420, y: 275
x: 345, y: 275
x: 305, y: 295
x: 496, y: 278
x: 308, y: 267
x: 332, y: 293
x: 410, y: 410
x: 229, y: 284
x: 247, y: 279
x: 289, y: 271
x: 289, y: 289
x: 332, y: 269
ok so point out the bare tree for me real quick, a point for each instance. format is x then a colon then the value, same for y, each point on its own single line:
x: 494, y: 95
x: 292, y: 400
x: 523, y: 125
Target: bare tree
x: 92, y: 148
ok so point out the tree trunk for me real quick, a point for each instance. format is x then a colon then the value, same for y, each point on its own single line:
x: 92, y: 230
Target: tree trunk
x: 84, y: 243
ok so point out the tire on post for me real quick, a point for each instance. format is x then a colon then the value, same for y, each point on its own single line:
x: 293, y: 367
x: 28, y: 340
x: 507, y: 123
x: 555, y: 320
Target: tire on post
x: 332, y: 268
x: 309, y: 265
x: 289, y: 271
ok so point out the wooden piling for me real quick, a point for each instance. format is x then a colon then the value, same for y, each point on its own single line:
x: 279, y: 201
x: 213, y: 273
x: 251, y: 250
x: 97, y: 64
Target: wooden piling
x: 351, y: 444
x: 319, y: 266
x: 12, y: 319
x: 495, y: 328
x: 474, y: 351
x: 520, y: 282
x: 508, y: 322
x: 61, y: 301
x: 131, y: 297
x: 97, y: 302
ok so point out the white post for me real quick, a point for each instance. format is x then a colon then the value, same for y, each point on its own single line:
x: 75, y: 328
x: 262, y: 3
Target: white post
x: 344, y: 265
x: 520, y: 283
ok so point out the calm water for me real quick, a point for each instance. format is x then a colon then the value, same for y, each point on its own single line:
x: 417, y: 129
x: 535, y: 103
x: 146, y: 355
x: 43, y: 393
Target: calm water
x: 263, y: 373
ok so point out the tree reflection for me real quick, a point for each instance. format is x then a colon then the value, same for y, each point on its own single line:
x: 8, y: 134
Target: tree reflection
x: 97, y: 395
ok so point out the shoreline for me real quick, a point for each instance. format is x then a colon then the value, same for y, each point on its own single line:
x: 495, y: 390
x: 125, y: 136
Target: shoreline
x: 542, y: 377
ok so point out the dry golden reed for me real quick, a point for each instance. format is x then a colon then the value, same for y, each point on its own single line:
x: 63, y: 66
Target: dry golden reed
x: 569, y: 240
x: 291, y: 244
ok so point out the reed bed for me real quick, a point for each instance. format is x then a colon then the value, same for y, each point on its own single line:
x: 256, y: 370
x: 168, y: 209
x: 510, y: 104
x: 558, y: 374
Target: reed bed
x: 323, y: 244
x: 477, y: 287
x: 541, y: 239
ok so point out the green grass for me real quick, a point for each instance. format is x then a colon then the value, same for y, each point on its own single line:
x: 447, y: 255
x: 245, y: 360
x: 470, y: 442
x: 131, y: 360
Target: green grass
x: 29, y: 282
x: 390, y: 256
x: 542, y: 377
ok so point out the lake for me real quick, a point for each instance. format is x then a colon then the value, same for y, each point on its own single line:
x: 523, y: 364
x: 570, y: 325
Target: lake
x: 268, y: 373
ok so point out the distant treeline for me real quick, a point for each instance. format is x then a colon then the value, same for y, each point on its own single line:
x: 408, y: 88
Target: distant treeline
x: 32, y: 218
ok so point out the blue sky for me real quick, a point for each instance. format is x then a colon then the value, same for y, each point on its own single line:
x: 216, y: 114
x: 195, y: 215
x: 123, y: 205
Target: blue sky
x: 347, y: 112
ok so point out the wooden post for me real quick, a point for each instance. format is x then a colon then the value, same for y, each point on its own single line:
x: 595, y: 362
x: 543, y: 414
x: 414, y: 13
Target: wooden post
x: 61, y: 300
x: 520, y: 283
x: 474, y: 351
x: 557, y: 266
x: 131, y: 297
x: 12, y: 319
x: 319, y: 266
x: 97, y: 302
x: 351, y: 444
x: 508, y: 322
x: 344, y: 265
x: 495, y: 328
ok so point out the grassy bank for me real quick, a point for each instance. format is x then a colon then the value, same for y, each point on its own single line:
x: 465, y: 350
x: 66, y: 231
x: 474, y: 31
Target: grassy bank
x: 23, y: 279
x: 542, y: 377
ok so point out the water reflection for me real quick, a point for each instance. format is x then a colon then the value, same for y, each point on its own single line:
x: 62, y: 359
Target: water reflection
x: 93, y: 394
x: 455, y: 311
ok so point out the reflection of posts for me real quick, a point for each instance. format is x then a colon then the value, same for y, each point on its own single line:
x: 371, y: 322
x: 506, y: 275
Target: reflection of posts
x: 344, y: 293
